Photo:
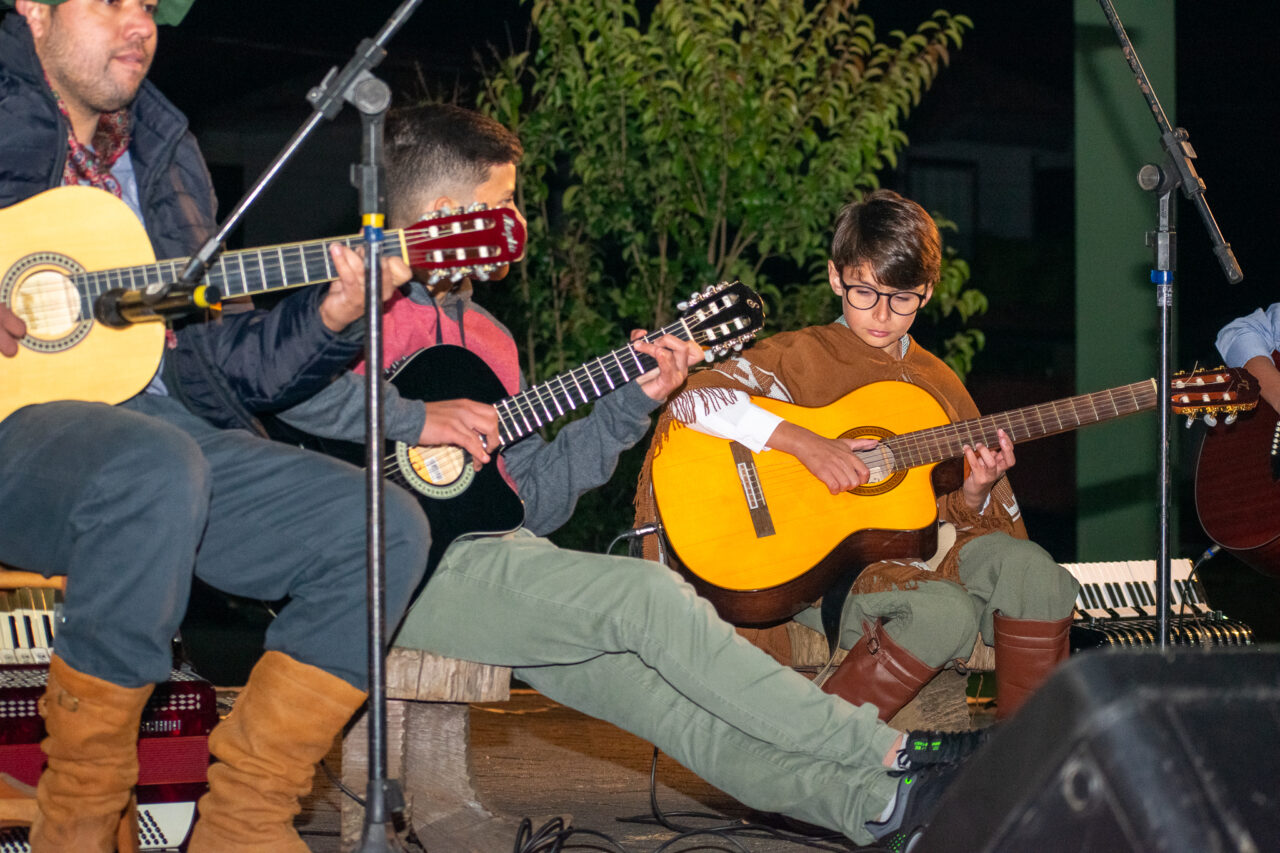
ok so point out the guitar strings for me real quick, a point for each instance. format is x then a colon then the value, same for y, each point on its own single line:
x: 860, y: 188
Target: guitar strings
x: 912, y: 449
x: 295, y: 264
x: 941, y: 443
x: 524, y: 402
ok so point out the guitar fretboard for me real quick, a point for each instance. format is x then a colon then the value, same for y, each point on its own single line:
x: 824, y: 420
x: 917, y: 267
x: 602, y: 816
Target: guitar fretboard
x: 939, y: 444
x: 520, y: 415
x: 238, y: 273
x: 718, y: 317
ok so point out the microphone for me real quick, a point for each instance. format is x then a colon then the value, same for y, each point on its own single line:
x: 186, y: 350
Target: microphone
x: 119, y: 307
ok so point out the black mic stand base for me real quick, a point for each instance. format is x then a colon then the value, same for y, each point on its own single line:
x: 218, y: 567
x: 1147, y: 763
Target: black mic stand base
x: 379, y: 838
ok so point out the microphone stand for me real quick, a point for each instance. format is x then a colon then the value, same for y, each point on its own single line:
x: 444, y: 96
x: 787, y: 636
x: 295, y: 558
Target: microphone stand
x: 356, y: 84
x: 384, y: 798
x: 1178, y: 171
x: 326, y: 100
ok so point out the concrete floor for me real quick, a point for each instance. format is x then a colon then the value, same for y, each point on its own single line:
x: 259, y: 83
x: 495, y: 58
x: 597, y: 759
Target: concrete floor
x: 536, y: 758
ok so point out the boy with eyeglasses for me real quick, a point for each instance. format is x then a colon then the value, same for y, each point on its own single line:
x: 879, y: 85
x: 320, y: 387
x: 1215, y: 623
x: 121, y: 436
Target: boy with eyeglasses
x: 902, y: 621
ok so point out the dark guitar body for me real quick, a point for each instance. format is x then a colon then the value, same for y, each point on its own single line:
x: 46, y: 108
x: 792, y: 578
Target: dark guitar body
x: 1238, y: 488
x: 487, y: 504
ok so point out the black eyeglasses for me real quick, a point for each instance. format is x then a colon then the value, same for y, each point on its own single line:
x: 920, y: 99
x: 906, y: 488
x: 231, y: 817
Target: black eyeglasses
x: 864, y: 297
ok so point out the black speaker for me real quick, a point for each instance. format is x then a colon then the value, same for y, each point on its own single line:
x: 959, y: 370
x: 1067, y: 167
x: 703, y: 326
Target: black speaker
x: 1128, y: 751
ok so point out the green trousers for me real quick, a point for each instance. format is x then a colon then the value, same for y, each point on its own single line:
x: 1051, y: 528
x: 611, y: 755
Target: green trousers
x: 939, y: 621
x: 629, y: 642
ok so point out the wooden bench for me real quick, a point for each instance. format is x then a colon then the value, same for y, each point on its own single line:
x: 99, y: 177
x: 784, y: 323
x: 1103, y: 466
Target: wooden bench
x: 428, y: 750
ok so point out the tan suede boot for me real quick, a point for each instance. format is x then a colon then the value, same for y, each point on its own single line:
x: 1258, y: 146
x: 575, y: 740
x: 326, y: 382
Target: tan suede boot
x: 283, y: 723
x: 1027, y: 650
x: 17, y: 802
x: 85, y: 794
x: 879, y: 671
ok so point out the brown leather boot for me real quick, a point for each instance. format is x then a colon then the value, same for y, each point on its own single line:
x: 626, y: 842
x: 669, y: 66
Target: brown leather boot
x: 1027, y: 650
x: 85, y: 794
x: 879, y: 671
x: 284, y: 721
x: 17, y: 802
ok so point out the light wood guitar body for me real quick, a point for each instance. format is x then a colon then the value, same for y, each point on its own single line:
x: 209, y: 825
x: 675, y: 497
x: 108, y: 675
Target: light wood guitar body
x: 69, y: 356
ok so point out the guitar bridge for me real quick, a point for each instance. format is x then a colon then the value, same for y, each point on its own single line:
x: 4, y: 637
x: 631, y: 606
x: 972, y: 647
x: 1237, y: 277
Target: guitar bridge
x: 750, y: 485
x: 749, y: 478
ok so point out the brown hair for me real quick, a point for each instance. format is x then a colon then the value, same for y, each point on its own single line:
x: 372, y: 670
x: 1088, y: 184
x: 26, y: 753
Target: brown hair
x: 435, y: 148
x: 891, y: 235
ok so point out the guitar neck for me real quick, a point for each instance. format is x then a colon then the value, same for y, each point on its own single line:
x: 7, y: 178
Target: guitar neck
x: 239, y: 273
x: 939, y: 444
x: 520, y: 415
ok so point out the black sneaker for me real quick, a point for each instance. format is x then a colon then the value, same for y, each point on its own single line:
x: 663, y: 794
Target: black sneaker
x: 917, y: 799
x: 928, y: 748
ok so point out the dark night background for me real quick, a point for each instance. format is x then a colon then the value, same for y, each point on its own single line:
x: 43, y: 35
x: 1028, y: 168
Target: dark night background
x: 1011, y: 82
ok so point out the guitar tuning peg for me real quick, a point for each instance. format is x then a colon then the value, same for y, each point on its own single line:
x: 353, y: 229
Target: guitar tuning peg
x: 1210, y: 420
x: 682, y: 306
x: 1229, y: 419
x: 737, y: 347
x: 1190, y: 420
x: 709, y: 356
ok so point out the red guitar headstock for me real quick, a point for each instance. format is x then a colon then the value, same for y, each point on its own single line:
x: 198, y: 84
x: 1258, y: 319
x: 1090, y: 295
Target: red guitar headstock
x: 457, y: 243
x: 1207, y: 394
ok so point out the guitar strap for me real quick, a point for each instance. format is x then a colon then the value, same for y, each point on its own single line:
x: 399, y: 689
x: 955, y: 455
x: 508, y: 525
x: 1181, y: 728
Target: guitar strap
x: 833, y: 608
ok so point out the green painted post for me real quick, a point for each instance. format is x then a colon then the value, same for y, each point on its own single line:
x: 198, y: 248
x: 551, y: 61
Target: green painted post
x: 1117, y: 319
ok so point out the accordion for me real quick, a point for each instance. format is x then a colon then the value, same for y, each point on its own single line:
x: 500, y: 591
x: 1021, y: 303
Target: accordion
x: 173, y: 751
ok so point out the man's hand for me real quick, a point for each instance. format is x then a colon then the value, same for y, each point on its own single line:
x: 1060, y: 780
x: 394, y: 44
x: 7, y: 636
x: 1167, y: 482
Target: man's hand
x: 344, y: 303
x: 831, y: 460
x: 674, y: 358
x: 11, y: 331
x: 463, y: 423
x: 986, y: 466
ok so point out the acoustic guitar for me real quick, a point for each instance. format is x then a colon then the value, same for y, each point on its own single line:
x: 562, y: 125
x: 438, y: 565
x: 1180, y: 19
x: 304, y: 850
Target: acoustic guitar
x: 459, y: 500
x: 64, y: 248
x: 1238, y: 487
x: 762, y: 538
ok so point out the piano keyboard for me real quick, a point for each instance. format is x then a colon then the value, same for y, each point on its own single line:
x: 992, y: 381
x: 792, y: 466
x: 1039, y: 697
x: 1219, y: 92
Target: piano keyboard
x: 1117, y: 606
x: 27, y: 620
x: 161, y: 827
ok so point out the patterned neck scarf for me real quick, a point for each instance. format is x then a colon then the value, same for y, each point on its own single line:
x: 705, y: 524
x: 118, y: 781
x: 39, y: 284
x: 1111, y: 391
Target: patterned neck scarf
x: 93, y: 163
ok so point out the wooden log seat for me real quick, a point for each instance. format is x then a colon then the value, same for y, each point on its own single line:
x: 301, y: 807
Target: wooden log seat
x: 428, y: 750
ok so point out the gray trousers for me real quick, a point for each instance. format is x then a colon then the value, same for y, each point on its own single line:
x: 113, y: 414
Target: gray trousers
x: 629, y: 642
x: 939, y: 621
x: 130, y: 501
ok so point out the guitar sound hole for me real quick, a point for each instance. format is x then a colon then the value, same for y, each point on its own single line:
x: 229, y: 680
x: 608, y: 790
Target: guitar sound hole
x: 48, y: 303
x: 441, y: 471
x: 879, y: 462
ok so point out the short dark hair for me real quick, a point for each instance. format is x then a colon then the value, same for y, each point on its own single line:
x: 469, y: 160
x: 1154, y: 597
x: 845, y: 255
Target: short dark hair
x: 893, y: 236
x: 434, y: 148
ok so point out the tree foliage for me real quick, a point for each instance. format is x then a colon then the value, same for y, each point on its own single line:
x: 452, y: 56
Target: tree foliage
x: 696, y: 141
x: 690, y: 141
